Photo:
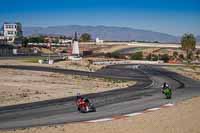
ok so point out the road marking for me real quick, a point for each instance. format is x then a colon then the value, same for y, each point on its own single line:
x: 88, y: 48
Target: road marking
x: 153, y: 109
x: 100, y: 120
x: 133, y: 114
x: 168, y: 105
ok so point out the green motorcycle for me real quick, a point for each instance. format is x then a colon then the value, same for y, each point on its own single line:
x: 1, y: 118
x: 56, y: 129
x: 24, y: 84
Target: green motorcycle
x: 168, y: 93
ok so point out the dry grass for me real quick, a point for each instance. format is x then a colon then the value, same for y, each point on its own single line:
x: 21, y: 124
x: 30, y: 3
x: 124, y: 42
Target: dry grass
x: 20, y: 86
x: 82, y: 65
x: 188, y: 71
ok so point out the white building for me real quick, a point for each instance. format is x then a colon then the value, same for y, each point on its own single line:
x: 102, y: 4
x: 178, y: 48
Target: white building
x: 65, y: 41
x: 12, y: 31
x: 98, y: 41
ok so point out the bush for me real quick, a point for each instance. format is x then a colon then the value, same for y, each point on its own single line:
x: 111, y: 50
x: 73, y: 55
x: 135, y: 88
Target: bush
x: 165, y: 57
x: 137, y: 56
x: 175, y: 54
x: 154, y: 57
x: 181, y: 56
x: 188, y: 42
x: 85, y: 37
x: 190, y: 55
x: 113, y: 55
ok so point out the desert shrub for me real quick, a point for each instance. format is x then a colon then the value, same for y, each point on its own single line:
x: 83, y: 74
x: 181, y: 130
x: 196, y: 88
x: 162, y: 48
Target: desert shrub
x: 113, y: 55
x: 181, y: 56
x: 154, y: 57
x: 165, y: 57
x: 137, y: 56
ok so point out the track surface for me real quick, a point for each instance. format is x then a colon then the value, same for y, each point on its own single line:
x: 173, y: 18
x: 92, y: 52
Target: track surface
x: 145, y: 94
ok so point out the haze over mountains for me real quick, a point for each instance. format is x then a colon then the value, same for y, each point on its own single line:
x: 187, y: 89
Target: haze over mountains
x: 104, y: 32
x: 198, y: 39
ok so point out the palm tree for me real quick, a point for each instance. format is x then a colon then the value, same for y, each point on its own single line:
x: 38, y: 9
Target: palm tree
x: 188, y: 42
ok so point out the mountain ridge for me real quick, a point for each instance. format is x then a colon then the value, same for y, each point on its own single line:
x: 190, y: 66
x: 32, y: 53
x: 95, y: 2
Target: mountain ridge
x: 111, y: 33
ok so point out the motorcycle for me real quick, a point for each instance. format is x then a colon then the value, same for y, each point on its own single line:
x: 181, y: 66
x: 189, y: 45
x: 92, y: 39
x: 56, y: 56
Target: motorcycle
x: 167, y: 92
x: 84, y: 105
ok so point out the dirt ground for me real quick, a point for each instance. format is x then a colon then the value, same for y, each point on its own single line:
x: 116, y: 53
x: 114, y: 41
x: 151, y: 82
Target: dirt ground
x: 82, y: 65
x: 188, y: 71
x: 21, y: 86
x: 110, y: 49
x: 182, y: 118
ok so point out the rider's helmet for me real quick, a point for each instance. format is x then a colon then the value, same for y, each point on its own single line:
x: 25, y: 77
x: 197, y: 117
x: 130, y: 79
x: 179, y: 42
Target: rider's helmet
x: 86, y: 100
x: 165, y: 85
x: 78, y: 96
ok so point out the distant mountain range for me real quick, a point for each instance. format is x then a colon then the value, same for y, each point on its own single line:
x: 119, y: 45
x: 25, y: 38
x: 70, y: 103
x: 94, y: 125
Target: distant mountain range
x: 198, y: 39
x: 109, y: 33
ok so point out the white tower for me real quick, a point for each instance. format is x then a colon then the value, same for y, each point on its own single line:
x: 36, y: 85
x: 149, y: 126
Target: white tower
x: 75, y: 46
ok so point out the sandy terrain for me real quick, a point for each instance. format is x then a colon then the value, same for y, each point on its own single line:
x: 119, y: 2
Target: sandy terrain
x: 82, y: 65
x: 182, y: 118
x: 188, y: 71
x: 21, y: 86
x: 113, y: 48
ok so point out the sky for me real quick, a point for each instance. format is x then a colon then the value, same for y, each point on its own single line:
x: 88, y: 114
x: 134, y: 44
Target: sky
x: 174, y: 17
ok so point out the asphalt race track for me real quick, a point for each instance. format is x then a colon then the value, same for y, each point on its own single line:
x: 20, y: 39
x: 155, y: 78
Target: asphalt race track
x: 145, y: 94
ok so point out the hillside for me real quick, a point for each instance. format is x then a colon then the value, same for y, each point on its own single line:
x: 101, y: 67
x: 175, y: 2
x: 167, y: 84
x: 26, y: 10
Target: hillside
x: 103, y: 32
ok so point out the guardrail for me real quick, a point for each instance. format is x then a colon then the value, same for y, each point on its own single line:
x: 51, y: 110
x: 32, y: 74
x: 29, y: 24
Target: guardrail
x: 139, y: 44
x: 126, y: 62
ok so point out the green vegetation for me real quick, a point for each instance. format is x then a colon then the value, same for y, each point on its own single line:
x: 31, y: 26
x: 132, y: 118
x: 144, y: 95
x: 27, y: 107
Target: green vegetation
x: 137, y: 56
x: 85, y: 37
x: 113, y: 55
x: 165, y: 57
x: 38, y: 39
x: 175, y: 54
x: 152, y: 57
x: 137, y: 49
x: 188, y: 42
x: 41, y: 39
x: 181, y: 56
x: 25, y: 42
x: 189, y: 55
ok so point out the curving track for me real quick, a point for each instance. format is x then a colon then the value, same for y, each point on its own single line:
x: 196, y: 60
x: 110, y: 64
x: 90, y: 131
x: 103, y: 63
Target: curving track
x: 145, y: 94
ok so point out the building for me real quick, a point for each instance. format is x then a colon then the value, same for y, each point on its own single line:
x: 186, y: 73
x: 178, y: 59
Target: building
x: 65, y: 41
x: 98, y: 41
x: 12, y: 32
x: 6, y: 50
x: 2, y: 38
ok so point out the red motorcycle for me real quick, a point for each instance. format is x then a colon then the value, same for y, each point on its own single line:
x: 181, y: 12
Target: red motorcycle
x: 84, y: 105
